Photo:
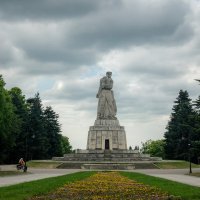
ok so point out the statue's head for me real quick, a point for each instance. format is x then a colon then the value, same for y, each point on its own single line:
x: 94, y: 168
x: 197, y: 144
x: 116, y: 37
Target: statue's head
x: 109, y: 74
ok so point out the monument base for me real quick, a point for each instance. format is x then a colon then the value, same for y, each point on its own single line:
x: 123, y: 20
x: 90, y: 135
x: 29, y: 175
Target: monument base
x: 107, y: 150
x: 106, y: 134
x: 107, y: 159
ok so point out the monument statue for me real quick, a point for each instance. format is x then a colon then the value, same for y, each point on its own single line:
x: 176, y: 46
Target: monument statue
x: 107, y: 108
x: 106, y: 142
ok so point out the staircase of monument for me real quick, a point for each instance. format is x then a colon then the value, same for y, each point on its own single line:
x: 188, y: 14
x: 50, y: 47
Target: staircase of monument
x: 107, y: 160
x: 108, y: 165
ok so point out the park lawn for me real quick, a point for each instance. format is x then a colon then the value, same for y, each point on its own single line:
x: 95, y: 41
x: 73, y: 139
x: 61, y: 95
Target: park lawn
x: 175, y: 165
x: 43, y: 164
x: 187, y: 192
x: 197, y: 174
x: 40, y: 187
x: 10, y: 173
x: 45, y: 186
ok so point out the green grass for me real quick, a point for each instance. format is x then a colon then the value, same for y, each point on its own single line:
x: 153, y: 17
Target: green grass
x: 175, y: 165
x: 187, y: 192
x: 43, y: 164
x: 26, y: 190
x: 10, y: 173
x: 197, y: 174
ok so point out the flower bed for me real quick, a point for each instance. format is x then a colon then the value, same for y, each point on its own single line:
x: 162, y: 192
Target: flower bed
x: 106, y: 185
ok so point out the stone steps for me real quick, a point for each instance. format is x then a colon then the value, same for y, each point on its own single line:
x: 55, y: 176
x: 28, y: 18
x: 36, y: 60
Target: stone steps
x: 107, y: 165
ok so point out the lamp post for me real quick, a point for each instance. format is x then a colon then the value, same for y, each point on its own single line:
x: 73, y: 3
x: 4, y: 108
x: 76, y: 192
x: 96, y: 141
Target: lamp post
x: 189, y: 154
x: 190, y: 171
x: 33, y: 137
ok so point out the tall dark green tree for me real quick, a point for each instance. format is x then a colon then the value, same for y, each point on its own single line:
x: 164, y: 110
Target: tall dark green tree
x: 9, y: 123
x: 196, y: 136
x: 20, y: 105
x: 53, y: 129
x: 179, y: 128
x: 37, y: 140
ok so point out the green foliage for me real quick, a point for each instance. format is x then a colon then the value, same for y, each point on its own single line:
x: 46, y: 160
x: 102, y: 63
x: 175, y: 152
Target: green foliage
x: 195, y: 144
x: 27, y: 129
x: 37, y: 136
x: 21, y: 111
x: 66, y: 147
x: 183, y: 130
x: 9, y: 123
x: 52, y: 128
x: 154, y: 148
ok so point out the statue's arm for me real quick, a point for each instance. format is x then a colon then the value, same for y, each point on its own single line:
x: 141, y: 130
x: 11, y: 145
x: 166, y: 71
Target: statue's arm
x: 100, y: 88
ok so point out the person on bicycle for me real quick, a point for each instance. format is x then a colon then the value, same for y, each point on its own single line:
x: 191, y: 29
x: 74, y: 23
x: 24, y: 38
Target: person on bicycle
x: 21, y: 162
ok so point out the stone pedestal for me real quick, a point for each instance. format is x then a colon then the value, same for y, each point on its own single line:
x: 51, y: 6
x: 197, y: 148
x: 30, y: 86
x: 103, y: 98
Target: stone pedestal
x: 106, y: 135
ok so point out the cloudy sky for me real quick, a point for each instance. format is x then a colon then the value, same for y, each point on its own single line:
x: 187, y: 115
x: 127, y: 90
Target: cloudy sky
x: 62, y: 48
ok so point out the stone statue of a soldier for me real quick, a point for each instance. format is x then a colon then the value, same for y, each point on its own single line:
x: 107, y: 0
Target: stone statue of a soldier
x: 107, y: 108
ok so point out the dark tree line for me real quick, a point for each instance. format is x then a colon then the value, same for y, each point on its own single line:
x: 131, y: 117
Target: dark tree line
x: 27, y: 129
x: 182, y: 136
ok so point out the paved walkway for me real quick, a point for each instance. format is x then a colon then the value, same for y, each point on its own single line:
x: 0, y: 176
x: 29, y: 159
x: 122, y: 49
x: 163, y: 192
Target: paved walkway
x: 35, y: 174
x: 177, y: 175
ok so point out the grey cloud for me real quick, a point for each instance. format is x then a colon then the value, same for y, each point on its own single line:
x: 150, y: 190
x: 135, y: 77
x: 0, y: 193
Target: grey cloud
x: 6, y: 54
x: 71, y: 57
x: 75, y: 89
x: 151, y: 71
x: 83, y: 41
x: 135, y: 24
x: 45, y: 9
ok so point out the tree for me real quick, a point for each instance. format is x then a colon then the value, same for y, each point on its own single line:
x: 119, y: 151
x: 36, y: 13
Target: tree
x: 21, y: 111
x: 179, y: 128
x: 37, y: 140
x: 52, y: 127
x: 66, y: 147
x: 195, y: 144
x: 27, y: 129
x: 154, y: 148
x: 9, y: 123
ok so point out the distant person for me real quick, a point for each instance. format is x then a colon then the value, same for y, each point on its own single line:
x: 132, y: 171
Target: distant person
x: 21, y: 162
x: 21, y: 165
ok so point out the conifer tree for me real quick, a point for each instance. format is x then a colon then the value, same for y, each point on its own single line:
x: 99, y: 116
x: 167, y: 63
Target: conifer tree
x: 179, y: 128
x: 20, y: 105
x: 52, y: 127
x: 38, y: 143
x: 196, y: 136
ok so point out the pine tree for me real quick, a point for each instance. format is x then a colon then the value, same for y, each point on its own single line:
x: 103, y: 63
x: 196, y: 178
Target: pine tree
x: 38, y: 143
x: 53, y: 129
x: 21, y: 110
x: 196, y: 136
x: 179, y: 128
